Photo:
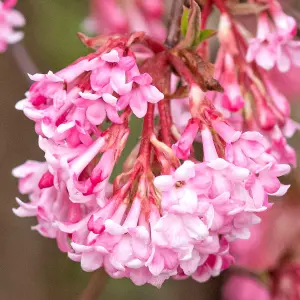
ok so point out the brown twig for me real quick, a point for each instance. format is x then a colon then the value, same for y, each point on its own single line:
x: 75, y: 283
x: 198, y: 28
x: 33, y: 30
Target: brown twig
x: 174, y: 23
x: 24, y: 61
x: 95, y: 286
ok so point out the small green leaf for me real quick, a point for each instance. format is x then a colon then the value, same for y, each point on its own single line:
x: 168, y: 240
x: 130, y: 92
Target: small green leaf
x: 185, y: 21
x: 192, y: 28
x: 205, y: 34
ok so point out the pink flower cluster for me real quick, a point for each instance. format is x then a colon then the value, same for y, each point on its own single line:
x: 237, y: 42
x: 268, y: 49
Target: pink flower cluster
x: 108, y: 16
x: 181, y: 228
x: 9, y: 19
x: 48, y: 205
x: 270, y: 258
x: 71, y: 104
x: 251, y: 101
x: 274, y: 44
x: 169, y: 213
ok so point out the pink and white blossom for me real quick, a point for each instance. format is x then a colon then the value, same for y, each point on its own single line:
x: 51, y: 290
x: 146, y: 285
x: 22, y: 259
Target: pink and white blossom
x: 274, y: 44
x: 71, y: 104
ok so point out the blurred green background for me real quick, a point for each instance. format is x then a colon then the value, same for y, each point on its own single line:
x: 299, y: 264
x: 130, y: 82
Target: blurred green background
x: 31, y: 267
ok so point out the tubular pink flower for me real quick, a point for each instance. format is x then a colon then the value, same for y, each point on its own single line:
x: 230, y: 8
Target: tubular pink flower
x: 85, y: 180
x: 70, y: 104
x: 182, y: 148
x: 48, y: 205
x: 141, y: 93
x: 261, y: 107
x: 232, y: 98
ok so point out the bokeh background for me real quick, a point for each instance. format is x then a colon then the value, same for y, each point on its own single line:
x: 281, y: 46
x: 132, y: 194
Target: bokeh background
x: 31, y: 267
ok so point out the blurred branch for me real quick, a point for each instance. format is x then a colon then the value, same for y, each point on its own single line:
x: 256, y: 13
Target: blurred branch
x: 24, y: 61
x: 95, y: 286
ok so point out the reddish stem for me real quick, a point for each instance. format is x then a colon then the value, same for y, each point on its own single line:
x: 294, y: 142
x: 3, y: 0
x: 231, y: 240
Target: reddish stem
x: 168, y: 110
x: 148, y: 129
x: 205, y: 13
x: 153, y: 45
x: 182, y: 69
x: 223, y: 9
x: 165, y: 127
x: 221, y: 6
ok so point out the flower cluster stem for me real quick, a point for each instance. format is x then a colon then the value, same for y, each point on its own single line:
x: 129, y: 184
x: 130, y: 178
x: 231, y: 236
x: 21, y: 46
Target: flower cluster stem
x: 148, y: 129
x: 205, y: 13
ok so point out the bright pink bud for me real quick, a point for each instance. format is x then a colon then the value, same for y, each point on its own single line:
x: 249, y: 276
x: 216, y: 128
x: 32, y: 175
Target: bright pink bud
x: 183, y: 147
x: 46, y: 181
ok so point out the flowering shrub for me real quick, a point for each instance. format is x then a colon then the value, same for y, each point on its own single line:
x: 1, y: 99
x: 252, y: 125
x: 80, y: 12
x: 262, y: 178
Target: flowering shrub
x: 193, y: 184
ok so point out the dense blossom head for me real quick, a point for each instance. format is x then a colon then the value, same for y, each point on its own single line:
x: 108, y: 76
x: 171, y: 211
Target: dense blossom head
x: 251, y: 100
x: 48, y: 205
x: 9, y: 20
x: 71, y: 104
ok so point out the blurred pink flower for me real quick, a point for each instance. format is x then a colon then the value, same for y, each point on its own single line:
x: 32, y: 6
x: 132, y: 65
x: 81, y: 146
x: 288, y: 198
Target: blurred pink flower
x: 242, y: 287
x: 274, y: 44
x: 271, y: 239
x: 287, y: 83
x: 111, y: 16
x: 9, y: 19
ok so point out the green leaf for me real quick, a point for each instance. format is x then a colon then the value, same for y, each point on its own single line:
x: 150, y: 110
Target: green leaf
x: 192, y: 28
x: 205, y: 34
x: 185, y: 21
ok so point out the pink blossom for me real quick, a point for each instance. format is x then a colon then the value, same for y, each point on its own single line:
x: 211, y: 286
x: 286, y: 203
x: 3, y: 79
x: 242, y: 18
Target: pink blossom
x: 70, y: 104
x: 180, y: 113
x: 120, y: 241
x: 141, y: 93
x: 248, y: 289
x: 85, y: 177
x: 286, y: 83
x: 272, y: 250
x: 107, y: 16
x: 274, y: 44
x: 269, y: 240
x: 10, y: 18
x: 232, y: 98
x: 48, y: 205
x: 183, y: 147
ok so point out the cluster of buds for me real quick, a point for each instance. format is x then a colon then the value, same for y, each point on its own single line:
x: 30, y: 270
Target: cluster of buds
x: 112, y: 16
x: 250, y: 99
x: 189, y: 188
x: 9, y: 19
